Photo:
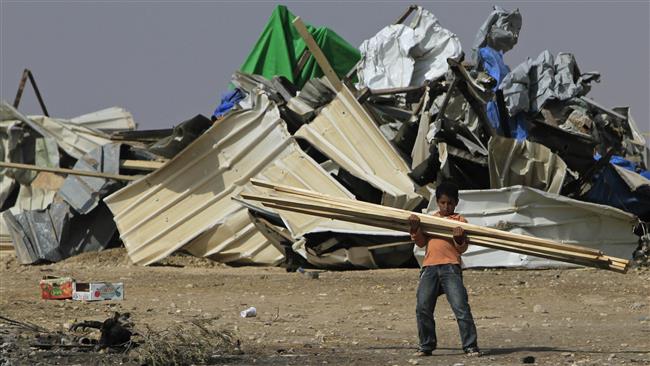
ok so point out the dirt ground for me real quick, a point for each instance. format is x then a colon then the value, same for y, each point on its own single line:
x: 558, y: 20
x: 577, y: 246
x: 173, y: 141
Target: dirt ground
x: 559, y: 317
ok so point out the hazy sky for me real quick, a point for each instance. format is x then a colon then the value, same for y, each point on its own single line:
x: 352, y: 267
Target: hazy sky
x: 166, y: 61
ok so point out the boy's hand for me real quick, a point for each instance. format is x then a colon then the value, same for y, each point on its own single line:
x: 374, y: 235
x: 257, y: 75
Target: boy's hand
x: 459, y: 234
x: 414, y: 221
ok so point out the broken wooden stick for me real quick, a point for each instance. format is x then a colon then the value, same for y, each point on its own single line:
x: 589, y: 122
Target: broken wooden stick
x: 4, y: 164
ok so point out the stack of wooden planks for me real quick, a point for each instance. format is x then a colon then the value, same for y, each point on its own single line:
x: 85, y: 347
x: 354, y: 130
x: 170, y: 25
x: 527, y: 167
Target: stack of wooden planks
x: 312, y: 203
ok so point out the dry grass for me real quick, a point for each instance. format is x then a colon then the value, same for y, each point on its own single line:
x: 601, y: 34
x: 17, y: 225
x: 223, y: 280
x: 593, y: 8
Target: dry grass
x: 194, y: 342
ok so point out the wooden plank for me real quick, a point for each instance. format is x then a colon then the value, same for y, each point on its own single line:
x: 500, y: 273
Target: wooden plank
x: 145, y: 165
x: 402, y: 225
x: 313, y: 203
x: 330, y: 200
x: 4, y: 164
x: 402, y: 222
x: 603, y: 264
x: 429, y: 218
x: 318, y: 54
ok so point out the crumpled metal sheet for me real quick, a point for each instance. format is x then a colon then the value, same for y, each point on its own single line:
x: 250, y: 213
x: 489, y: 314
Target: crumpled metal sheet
x: 36, y: 234
x: 636, y: 145
x: 499, y: 31
x: 333, y: 244
x: 56, y: 233
x: 188, y: 202
x: 186, y: 132
x: 344, y: 132
x: 532, y: 83
x: 400, y: 55
x: 513, y: 162
x: 108, y: 120
x: 357, y: 251
x: 75, y: 140
x: 84, y: 193
x: 528, y: 211
x: 19, y: 144
x: 34, y: 198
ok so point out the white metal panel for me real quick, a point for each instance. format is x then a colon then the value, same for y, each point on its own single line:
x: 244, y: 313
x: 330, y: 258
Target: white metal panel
x: 187, y: 203
x: 345, y: 132
x: 110, y: 120
x: 528, y: 211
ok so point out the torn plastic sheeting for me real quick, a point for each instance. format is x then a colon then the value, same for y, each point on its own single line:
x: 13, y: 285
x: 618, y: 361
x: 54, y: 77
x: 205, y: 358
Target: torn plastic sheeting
x: 108, y: 120
x: 500, y: 31
x: 533, y: 212
x: 515, y: 162
x: 228, y: 100
x: 345, y: 133
x: 188, y: 202
x: 609, y: 187
x: 621, y: 162
x: 532, y: 83
x: 401, y: 56
x: 492, y: 61
x: 84, y: 193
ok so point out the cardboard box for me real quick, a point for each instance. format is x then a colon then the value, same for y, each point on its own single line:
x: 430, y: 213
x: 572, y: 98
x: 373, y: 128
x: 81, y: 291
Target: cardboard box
x: 95, y: 291
x: 56, y: 288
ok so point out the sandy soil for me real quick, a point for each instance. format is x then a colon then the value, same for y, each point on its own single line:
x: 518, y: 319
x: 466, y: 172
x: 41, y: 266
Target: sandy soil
x: 559, y: 317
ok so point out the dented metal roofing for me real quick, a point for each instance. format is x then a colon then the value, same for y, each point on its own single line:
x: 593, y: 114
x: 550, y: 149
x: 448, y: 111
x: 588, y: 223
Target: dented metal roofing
x: 108, y: 120
x: 345, y: 133
x: 187, y: 204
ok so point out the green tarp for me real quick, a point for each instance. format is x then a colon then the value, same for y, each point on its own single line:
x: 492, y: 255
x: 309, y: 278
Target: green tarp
x: 280, y: 46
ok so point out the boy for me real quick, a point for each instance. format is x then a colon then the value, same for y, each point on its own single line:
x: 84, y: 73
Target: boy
x: 441, y: 273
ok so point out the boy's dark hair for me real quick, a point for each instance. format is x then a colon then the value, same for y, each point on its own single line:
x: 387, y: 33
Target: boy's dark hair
x: 447, y: 188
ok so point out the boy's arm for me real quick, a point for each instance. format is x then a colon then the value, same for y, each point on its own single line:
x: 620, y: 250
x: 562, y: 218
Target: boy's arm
x: 460, y: 238
x: 417, y: 235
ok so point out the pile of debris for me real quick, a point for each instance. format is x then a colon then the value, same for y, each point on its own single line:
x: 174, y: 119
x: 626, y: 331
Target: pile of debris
x: 383, y: 124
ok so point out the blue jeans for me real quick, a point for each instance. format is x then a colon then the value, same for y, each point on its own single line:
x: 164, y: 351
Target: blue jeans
x: 434, y: 281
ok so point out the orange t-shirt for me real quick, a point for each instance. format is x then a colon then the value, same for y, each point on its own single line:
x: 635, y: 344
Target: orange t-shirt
x: 440, y: 251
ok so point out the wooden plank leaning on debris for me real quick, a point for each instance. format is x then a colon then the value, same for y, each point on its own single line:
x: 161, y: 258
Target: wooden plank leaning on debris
x: 84, y: 173
x: 318, y: 54
x: 144, y: 165
x: 313, y: 203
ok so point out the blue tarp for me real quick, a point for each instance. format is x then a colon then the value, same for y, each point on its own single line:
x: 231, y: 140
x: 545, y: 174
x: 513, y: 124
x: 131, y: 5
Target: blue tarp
x: 228, y: 101
x: 492, y: 62
x: 624, y: 163
x: 608, y: 188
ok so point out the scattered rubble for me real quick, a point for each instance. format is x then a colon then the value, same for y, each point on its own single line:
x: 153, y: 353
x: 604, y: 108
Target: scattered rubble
x: 382, y: 124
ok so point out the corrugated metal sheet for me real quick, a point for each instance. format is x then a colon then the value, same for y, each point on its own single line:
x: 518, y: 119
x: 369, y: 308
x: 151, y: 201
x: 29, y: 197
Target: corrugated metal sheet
x: 83, y: 193
x: 345, y: 132
x: 528, y: 211
x: 109, y: 120
x: 515, y: 162
x: 74, y: 140
x: 187, y: 204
